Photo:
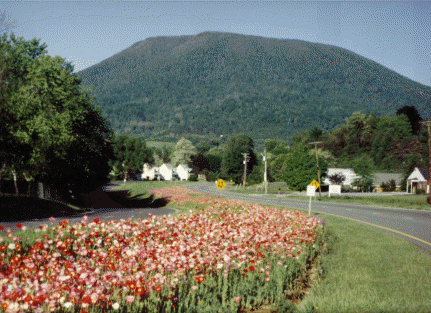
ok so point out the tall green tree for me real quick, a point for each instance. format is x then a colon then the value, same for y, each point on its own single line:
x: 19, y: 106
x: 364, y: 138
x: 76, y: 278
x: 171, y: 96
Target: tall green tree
x: 360, y: 132
x: 130, y: 154
x: 391, y: 133
x: 300, y: 168
x: 183, y: 152
x: 46, y: 115
x: 414, y: 118
x: 232, y: 164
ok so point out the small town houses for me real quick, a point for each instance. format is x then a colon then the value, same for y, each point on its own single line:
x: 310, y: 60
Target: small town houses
x: 166, y: 172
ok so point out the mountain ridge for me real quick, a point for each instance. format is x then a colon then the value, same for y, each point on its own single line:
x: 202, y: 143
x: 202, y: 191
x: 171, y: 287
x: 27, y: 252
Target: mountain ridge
x: 214, y: 83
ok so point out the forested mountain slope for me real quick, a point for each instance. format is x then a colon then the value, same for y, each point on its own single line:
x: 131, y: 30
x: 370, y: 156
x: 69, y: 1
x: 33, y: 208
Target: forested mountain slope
x: 222, y: 83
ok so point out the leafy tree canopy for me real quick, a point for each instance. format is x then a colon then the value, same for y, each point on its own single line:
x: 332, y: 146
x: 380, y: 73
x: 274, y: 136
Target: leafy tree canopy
x: 300, y: 168
x: 130, y: 154
x: 49, y: 130
x: 183, y: 152
x: 232, y: 165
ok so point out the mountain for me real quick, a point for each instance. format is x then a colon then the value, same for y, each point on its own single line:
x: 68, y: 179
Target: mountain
x: 218, y: 83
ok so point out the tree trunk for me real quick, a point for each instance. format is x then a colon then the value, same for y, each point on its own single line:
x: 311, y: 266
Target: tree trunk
x: 29, y: 180
x: 15, y: 183
x: 3, y: 168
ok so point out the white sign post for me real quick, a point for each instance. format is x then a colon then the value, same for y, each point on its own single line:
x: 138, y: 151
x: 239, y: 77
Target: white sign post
x: 311, y: 192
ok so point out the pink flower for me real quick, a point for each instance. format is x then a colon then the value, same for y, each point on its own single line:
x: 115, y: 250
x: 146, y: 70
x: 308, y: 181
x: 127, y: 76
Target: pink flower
x: 130, y: 299
x: 237, y: 299
x: 52, y: 219
x: 267, y: 279
x: 194, y: 288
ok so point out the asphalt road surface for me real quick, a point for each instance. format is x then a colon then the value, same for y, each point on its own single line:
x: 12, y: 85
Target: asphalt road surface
x: 412, y: 225
x: 104, y: 214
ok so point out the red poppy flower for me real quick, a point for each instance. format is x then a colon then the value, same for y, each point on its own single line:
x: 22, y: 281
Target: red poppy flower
x: 251, y: 268
x: 19, y: 225
x: 157, y: 288
x: 1, y: 228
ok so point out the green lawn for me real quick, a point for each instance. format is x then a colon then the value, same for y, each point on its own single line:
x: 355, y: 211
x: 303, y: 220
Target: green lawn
x: 367, y: 270
x: 364, y: 269
x: 416, y: 202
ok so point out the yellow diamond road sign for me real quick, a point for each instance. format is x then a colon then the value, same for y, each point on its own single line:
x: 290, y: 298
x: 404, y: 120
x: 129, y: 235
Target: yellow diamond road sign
x: 221, y: 184
x: 315, y: 184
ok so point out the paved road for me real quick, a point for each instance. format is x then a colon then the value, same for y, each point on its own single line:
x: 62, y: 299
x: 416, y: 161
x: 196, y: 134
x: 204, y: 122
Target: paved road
x: 104, y: 214
x: 413, y: 225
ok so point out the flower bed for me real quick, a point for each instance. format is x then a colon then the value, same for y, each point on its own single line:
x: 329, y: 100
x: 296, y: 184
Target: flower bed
x: 222, y: 255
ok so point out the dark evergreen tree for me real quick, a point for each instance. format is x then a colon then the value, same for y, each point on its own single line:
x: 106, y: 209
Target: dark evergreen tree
x: 233, y: 160
x: 413, y: 116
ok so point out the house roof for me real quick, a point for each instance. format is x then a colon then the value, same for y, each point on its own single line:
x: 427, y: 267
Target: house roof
x: 168, y: 165
x: 184, y: 166
x: 380, y: 178
x: 425, y: 173
x: 419, y: 174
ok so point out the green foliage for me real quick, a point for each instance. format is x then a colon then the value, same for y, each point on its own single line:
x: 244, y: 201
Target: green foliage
x: 300, y: 168
x: 363, y: 165
x: 168, y: 87
x: 360, y: 132
x: 363, y: 183
x: 391, y: 132
x: 276, y: 167
x: 420, y: 191
x: 130, y: 154
x: 193, y: 177
x: 389, y: 186
x: 232, y: 163
x: 183, y: 152
x: 50, y: 130
x: 200, y: 163
x: 215, y: 162
x: 211, y: 176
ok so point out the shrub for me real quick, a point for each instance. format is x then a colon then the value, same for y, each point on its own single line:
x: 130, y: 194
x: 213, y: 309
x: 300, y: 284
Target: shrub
x: 211, y: 176
x: 337, y: 178
x: 193, y: 177
x: 420, y: 191
x: 389, y: 186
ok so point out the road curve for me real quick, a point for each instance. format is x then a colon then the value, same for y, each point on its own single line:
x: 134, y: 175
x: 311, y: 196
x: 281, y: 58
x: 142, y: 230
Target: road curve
x: 104, y: 214
x: 412, y: 225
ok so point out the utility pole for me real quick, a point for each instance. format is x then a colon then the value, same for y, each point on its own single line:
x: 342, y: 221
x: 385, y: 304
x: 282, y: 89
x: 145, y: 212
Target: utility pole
x: 264, y: 174
x: 317, y: 162
x: 429, y: 157
x: 246, y: 158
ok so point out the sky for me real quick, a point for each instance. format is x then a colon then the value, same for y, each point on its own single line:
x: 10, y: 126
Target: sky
x: 395, y: 34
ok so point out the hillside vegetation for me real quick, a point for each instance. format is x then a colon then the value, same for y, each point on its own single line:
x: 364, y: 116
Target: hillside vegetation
x: 222, y: 83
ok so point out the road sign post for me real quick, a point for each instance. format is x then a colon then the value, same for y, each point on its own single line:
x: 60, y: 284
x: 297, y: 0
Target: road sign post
x: 311, y: 192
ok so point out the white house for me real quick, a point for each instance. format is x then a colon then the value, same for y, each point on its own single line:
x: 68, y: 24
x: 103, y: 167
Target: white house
x: 149, y: 173
x: 167, y: 171
x: 183, y: 171
x: 347, y: 172
x: 418, y: 179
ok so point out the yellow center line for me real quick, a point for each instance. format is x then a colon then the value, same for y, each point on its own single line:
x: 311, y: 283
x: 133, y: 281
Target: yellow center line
x: 390, y: 229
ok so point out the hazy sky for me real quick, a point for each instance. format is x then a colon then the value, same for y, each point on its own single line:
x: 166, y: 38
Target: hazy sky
x: 394, y: 34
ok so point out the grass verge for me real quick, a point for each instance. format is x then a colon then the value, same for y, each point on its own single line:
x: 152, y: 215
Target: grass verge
x: 415, y: 202
x: 367, y: 270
